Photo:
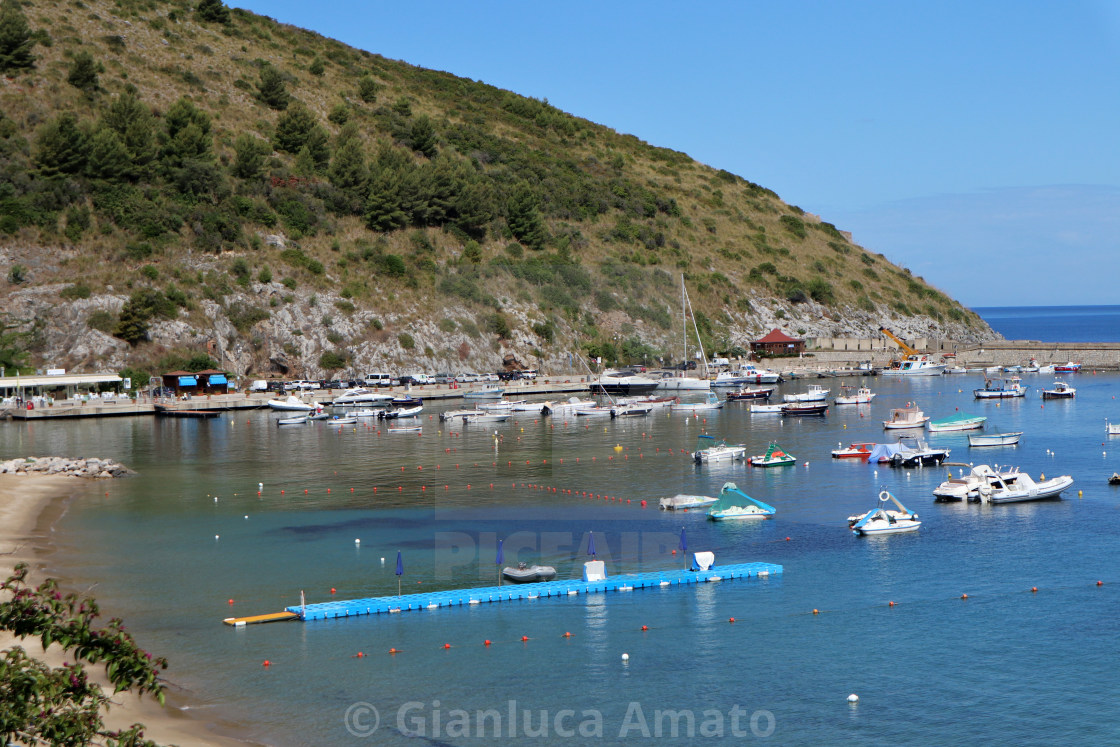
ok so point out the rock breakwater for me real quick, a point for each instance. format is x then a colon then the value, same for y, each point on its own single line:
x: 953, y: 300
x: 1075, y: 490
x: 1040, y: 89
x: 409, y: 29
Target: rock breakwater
x: 66, y: 466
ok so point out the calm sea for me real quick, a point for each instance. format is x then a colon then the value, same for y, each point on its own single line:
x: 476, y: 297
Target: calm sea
x: 171, y: 547
x: 1054, y: 323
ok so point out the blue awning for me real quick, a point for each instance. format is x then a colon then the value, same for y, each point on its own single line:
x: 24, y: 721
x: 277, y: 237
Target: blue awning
x: 188, y: 381
x: 217, y: 379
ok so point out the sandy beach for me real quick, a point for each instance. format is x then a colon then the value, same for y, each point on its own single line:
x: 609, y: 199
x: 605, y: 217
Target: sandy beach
x: 29, y: 506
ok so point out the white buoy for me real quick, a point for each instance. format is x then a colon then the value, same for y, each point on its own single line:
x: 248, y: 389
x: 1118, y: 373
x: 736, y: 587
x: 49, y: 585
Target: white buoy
x: 215, y: 536
x: 626, y: 657
x: 246, y: 516
x: 357, y: 542
x: 853, y: 698
x: 215, y: 499
x: 383, y: 561
x: 260, y: 486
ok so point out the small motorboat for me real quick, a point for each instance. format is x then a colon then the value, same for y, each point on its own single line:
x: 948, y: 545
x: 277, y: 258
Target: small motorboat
x: 1001, y: 389
x: 490, y: 392
x: 852, y: 396
x: 360, y: 396
x: 404, y: 428
x: 914, y: 452
x: 710, y: 450
x: 994, y: 439
x: 682, y: 502
x: 349, y: 420
x: 762, y: 392
x: 292, y: 404
x: 528, y: 574
x: 594, y: 411
x: 967, y: 486
x: 815, y: 393
x: 960, y: 422
x: 1112, y: 429
x: 711, y: 402
x: 1024, y: 488
x: 906, y: 417
x: 774, y: 457
x: 1060, y: 390
x: 1070, y: 367
x: 294, y: 420
x: 365, y: 412
x: 405, y: 401
x: 880, y: 520
x: 775, y: 409
x: 794, y: 409
x: 402, y: 412
x: 1115, y: 479
x: 853, y: 451
x: 501, y: 405
x: 735, y: 504
x: 486, y: 417
x: 321, y: 415
x: 630, y: 411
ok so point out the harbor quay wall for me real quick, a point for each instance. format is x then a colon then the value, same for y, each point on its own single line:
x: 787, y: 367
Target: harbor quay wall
x: 845, y: 352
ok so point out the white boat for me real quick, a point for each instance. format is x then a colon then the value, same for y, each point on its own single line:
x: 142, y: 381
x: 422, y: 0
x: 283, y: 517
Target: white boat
x: 1060, y: 390
x: 525, y: 406
x: 1024, y: 488
x: 404, y: 428
x: 915, y: 365
x: 906, y: 417
x: 735, y: 504
x: 502, y: 405
x: 593, y: 411
x: 490, y: 392
x: 852, y: 396
x: 319, y: 415
x: 956, y: 370
x: 679, y: 382
x: 961, y: 422
x: 630, y: 411
x: 351, y: 420
x: 748, y: 373
x: 775, y: 409
x: 648, y: 400
x: 486, y: 417
x: 457, y: 414
x: 915, y: 452
x: 1001, y: 388
x: 682, y: 502
x: 1112, y: 429
x: 709, y: 450
x: 360, y: 397
x: 966, y: 486
x: 365, y: 412
x: 623, y: 382
x: 774, y: 457
x: 880, y: 520
x: 1070, y: 367
x: 292, y: 404
x: 528, y: 574
x: 814, y: 393
x: 712, y: 402
x: 994, y: 439
x: 294, y: 420
x: 678, y: 379
x: 1047, y: 369
x: 402, y: 412
x: 566, y: 408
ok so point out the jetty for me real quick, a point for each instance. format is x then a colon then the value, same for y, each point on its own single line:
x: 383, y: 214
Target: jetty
x: 433, y: 600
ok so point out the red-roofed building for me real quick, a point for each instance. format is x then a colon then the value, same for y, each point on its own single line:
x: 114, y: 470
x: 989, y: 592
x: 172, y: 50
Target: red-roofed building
x: 777, y: 343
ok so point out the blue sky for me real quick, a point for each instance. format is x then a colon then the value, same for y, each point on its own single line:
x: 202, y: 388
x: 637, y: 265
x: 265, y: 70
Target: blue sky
x: 977, y: 143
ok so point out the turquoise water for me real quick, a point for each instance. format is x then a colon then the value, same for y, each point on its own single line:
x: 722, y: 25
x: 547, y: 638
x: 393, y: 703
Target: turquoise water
x: 1006, y: 665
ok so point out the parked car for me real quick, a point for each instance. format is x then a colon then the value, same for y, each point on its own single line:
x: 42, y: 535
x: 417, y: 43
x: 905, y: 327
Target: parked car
x: 444, y: 378
x: 467, y: 378
x: 508, y: 375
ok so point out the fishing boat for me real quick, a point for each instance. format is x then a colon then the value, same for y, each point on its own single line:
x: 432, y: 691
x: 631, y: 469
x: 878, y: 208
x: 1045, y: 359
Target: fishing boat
x: 960, y: 422
x: 710, y: 450
x: 814, y: 393
x: 527, y: 574
x: 994, y: 439
x: 774, y: 457
x: 1070, y: 367
x: 490, y: 392
x: 683, y: 502
x: 292, y: 404
x: 1060, y: 390
x: 1024, y: 488
x: 711, y: 402
x: 914, y: 452
x: 774, y: 409
x: 966, y: 486
x: 881, y: 520
x: 1001, y: 388
x: 794, y: 409
x: 853, y: 451
x: 762, y: 392
x: 735, y: 504
x: 852, y: 396
x: 915, y: 365
x: 906, y: 417
x: 294, y: 420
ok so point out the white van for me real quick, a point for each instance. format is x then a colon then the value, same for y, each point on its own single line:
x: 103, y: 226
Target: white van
x: 379, y: 379
x: 260, y: 385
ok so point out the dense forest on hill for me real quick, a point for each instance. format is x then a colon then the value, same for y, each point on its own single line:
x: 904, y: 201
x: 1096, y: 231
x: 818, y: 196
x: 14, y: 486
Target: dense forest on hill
x: 180, y: 178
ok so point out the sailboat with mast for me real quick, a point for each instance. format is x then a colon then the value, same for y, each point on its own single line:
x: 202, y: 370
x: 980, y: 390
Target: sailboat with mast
x: 681, y: 379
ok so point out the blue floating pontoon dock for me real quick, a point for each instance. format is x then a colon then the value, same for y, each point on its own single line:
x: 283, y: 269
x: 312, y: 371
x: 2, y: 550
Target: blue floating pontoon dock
x: 542, y: 590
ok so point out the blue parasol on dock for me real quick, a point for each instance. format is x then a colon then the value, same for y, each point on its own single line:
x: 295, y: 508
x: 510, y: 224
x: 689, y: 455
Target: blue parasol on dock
x: 498, y: 561
x: 400, y: 572
x: 591, y: 544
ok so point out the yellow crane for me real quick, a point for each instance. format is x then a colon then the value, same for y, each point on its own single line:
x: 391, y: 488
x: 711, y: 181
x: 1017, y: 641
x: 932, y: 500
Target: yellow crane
x: 905, y: 348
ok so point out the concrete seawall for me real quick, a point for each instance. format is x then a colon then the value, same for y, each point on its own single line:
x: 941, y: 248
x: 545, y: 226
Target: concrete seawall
x: 1101, y: 356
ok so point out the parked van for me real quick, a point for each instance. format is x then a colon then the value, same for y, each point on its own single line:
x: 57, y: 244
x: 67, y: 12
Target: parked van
x: 379, y: 379
x: 260, y: 385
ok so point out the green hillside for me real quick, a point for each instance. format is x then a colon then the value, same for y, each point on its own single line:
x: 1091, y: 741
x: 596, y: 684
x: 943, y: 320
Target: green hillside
x: 183, y: 178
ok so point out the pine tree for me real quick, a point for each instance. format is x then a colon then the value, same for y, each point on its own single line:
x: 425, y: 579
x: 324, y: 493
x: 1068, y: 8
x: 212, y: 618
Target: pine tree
x: 61, y: 147
x: 348, y: 169
x: 83, y: 72
x: 136, y: 126
x: 293, y: 128
x: 305, y: 163
x: 108, y: 158
x: 251, y: 152
x: 15, y: 38
x: 368, y: 88
x: 422, y: 136
x: 271, y: 90
x: 383, y: 205
x: 188, y: 134
x: 524, y: 219
x: 317, y: 68
x: 212, y: 11
x: 318, y: 146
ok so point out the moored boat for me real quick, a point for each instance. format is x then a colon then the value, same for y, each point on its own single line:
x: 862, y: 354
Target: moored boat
x: 853, y: 451
x: 914, y: 452
x: 1112, y: 429
x: 1001, y: 388
x: 735, y: 504
x: 623, y: 382
x: 793, y: 409
x: 880, y: 520
x: 967, y: 486
x: 710, y: 450
x: 774, y: 457
x: 360, y: 397
x: 1024, y: 488
x: 994, y: 439
x: 774, y: 409
x: 762, y: 392
x: 401, y: 412
x: 1060, y: 390
x: 1070, y: 367
x: 814, y: 393
x: 490, y: 392
x: 852, y: 396
x: 293, y: 420
x: 527, y: 574
x: 351, y: 420
x: 711, y: 402
x: 915, y: 365
x: 292, y: 404
x: 906, y: 417
x: 959, y: 422
x: 683, y: 502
